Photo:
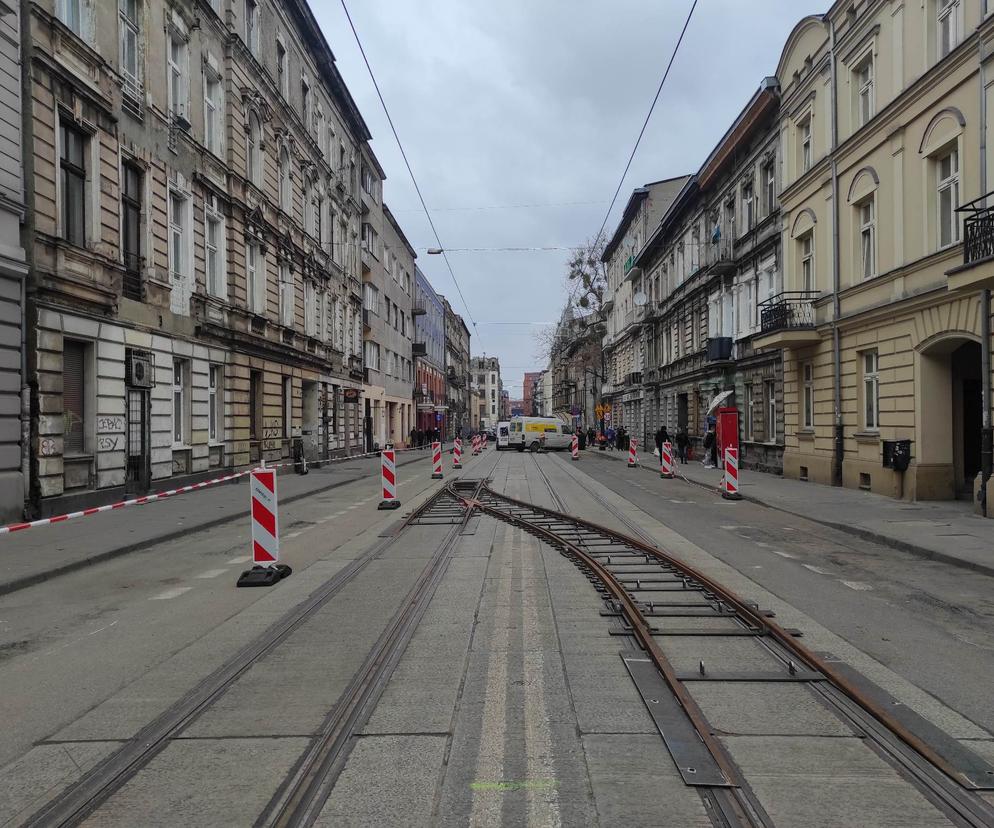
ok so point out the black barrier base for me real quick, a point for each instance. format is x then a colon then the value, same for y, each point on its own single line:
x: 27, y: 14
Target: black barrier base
x: 263, y: 576
x: 731, y: 496
x: 666, y: 476
x: 457, y: 465
x: 389, y: 504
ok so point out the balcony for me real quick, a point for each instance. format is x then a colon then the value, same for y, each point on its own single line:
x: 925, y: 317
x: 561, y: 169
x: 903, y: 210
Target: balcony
x: 634, y: 378
x: 607, y: 302
x: 720, y: 349
x: 419, y: 349
x: 632, y: 270
x: 787, y: 320
x: 367, y: 259
x: 131, y: 287
x: 366, y: 324
x: 417, y: 309
x: 977, y: 271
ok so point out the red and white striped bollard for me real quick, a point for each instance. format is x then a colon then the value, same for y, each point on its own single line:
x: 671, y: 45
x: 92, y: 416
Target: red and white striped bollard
x: 666, y: 461
x: 436, y: 459
x: 633, y: 455
x: 265, y: 532
x: 574, y: 447
x: 457, y: 453
x: 730, y: 488
x: 388, y: 471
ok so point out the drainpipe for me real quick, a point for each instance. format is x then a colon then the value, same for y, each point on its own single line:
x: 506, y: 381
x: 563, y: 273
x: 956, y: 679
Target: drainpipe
x: 987, y: 434
x: 25, y: 393
x: 839, y: 444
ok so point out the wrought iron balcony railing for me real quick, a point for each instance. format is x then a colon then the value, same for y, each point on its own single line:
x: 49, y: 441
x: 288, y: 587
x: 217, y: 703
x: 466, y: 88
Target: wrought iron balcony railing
x: 978, y: 230
x: 790, y: 309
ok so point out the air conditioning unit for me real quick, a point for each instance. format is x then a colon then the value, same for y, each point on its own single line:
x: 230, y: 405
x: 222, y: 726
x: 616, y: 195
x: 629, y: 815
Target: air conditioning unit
x: 139, y: 369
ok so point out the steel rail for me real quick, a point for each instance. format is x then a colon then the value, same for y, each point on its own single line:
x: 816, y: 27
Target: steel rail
x: 96, y: 786
x: 745, y: 610
x: 302, y: 796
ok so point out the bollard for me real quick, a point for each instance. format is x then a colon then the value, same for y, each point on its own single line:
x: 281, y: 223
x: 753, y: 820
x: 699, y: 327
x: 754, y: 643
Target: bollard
x: 730, y: 487
x: 666, y: 461
x: 457, y: 453
x: 476, y: 444
x: 265, y: 532
x: 388, y: 471
x: 436, y: 454
x: 575, y: 447
x: 484, y: 446
x: 633, y: 455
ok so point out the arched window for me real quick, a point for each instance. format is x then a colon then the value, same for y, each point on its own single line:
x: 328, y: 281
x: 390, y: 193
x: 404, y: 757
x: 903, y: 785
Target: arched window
x: 286, y: 182
x: 310, y: 202
x: 254, y: 150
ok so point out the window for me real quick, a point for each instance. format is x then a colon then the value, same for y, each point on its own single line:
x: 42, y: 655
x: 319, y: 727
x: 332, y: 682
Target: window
x: 75, y: 410
x: 177, y: 73
x: 863, y: 83
x: 287, y: 407
x: 255, y: 276
x: 282, y: 70
x: 252, y: 26
x: 805, y: 131
x: 370, y: 298
x: 286, y: 181
x: 747, y: 206
x: 807, y: 373
x: 215, y: 398
x: 309, y: 197
x: 287, y: 298
x: 806, y: 243
x: 178, y: 267
x: 368, y: 182
x: 130, y: 37
x: 305, y: 103
x: 770, y: 398
x: 371, y: 353
x: 214, y: 251
x: 749, y: 419
x: 770, y: 187
x: 310, y: 305
x: 867, y: 239
x: 947, y: 18
x: 213, y: 111
x: 871, y: 391
x: 131, y: 228
x: 369, y: 239
x: 180, y: 375
x: 254, y: 157
x: 947, y: 174
x: 72, y: 150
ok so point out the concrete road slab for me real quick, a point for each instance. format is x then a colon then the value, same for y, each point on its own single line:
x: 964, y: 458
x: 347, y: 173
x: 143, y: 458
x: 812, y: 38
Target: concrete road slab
x: 202, y: 782
x: 762, y: 708
x: 732, y: 654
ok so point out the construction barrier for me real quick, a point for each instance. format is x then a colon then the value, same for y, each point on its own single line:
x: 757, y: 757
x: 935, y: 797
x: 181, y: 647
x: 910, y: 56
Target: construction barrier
x: 457, y: 453
x: 484, y: 446
x: 574, y: 447
x: 633, y: 454
x: 476, y: 444
x: 730, y: 487
x: 388, y: 471
x: 666, y: 461
x: 436, y: 455
x: 265, y: 532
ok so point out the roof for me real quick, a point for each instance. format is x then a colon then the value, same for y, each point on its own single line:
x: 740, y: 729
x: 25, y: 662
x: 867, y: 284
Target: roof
x: 399, y: 232
x: 631, y: 208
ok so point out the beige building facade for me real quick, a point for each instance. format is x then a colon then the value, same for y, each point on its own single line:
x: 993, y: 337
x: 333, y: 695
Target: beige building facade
x: 884, y: 135
x: 193, y: 238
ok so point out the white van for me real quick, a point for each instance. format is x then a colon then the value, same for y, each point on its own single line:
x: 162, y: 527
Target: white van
x: 533, y: 433
x: 503, y: 435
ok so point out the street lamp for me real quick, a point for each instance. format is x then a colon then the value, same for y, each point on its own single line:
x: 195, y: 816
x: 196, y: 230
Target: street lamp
x: 435, y: 251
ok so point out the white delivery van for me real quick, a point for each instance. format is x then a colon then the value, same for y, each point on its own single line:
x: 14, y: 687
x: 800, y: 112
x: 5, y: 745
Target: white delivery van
x: 503, y: 435
x: 533, y: 433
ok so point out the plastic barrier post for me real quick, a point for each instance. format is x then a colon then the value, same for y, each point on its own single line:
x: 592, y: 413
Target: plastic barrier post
x: 633, y: 455
x: 666, y: 461
x: 730, y: 490
x: 436, y: 455
x: 457, y: 453
x: 264, y: 505
x: 574, y: 447
x: 388, y: 471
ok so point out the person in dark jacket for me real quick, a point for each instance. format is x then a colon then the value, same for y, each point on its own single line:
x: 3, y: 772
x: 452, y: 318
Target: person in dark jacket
x: 682, y: 441
x: 662, y: 436
x: 620, y: 435
x: 711, y: 447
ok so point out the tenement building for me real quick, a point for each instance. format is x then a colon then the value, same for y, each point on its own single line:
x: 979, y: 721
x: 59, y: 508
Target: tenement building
x: 457, y: 378
x: 15, y: 412
x: 701, y: 276
x: 486, y: 375
x: 192, y: 233
x: 429, y: 356
x: 621, y: 389
x: 887, y: 145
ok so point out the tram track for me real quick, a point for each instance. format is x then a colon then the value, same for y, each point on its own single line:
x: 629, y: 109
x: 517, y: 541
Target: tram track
x: 299, y: 798
x: 641, y: 583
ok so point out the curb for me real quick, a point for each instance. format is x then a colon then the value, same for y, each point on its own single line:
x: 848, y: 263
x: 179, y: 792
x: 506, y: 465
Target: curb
x: 74, y: 566
x: 856, y: 531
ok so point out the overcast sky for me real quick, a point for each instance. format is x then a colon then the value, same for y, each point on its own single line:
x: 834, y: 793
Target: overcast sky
x: 539, y: 102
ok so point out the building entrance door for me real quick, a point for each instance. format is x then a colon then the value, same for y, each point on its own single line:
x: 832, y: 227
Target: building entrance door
x: 138, y: 472
x: 968, y: 419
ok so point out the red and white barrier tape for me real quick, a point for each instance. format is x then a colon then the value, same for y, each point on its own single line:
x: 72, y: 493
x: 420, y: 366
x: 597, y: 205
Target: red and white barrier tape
x: 141, y: 501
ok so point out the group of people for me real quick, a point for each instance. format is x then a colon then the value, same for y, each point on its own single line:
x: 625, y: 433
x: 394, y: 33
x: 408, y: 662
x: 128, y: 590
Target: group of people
x: 682, y: 442
x: 425, y: 437
x: 619, y: 439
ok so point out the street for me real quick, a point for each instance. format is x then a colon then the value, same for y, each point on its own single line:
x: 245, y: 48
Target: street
x: 459, y: 670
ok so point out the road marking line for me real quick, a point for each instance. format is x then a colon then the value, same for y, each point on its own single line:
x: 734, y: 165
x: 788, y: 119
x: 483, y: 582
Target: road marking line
x: 292, y: 535
x: 789, y: 529
x: 211, y: 573
x: 170, y: 593
x: 240, y: 559
x: 783, y: 554
x: 858, y: 585
x: 815, y: 569
x: 762, y: 545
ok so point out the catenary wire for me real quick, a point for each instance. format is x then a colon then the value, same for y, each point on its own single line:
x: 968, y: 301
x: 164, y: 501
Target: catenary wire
x: 410, y: 171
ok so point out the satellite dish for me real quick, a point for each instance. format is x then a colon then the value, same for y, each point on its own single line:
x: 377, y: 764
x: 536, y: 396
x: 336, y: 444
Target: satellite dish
x: 639, y: 299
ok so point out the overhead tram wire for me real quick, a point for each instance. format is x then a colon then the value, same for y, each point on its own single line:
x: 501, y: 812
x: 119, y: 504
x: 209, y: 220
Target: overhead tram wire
x: 410, y: 172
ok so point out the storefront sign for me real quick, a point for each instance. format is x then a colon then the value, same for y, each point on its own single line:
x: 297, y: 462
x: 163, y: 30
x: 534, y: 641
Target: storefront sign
x: 350, y: 395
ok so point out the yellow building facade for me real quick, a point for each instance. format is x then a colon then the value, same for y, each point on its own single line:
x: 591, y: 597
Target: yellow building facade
x: 884, y: 137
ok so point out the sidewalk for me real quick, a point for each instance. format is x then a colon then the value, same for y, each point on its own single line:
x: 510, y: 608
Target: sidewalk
x: 946, y: 531
x: 35, y: 555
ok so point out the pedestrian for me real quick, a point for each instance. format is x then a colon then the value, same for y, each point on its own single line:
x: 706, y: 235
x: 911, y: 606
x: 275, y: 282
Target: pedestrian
x: 710, y: 459
x: 662, y: 436
x: 414, y: 438
x: 591, y: 437
x: 682, y: 441
x: 611, y: 436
